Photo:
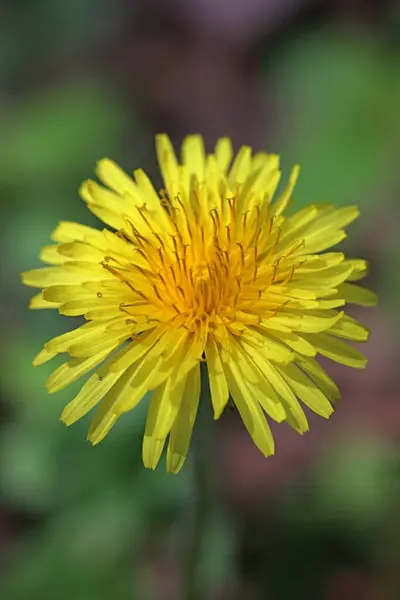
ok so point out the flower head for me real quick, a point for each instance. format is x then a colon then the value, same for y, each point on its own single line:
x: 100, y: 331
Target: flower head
x: 208, y: 270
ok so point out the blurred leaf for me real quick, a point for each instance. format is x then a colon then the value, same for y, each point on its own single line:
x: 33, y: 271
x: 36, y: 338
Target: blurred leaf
x: 66, y: 23
x: 216, y: 565
x: 27, y: 465
x: 389, y: 276
x: 99, y: 532
x: 45, y: 464
x: 340, y: 98
x: 356, y: 484
x: 26, y: 384
x: 55, y: 563
x: 59, y: 131
x: 64, y: 31
x: 10, y: 50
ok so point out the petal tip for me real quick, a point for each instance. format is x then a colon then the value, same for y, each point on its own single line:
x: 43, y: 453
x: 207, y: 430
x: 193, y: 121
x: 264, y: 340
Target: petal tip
x: 43, y: 357
x: 152, y: 450
x: 84, y: 191
x: 175, y: 463
x: 65, y: 418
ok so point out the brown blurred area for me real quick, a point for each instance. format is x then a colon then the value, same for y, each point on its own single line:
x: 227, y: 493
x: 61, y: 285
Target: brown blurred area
x: 195, y: 65
x: 317, y: 81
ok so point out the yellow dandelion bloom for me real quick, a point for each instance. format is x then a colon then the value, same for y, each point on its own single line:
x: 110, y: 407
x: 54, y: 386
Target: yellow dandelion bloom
x: 208, y: 270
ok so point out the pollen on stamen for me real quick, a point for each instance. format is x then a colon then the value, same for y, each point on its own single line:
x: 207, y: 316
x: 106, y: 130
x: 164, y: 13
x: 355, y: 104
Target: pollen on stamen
x: 241, y: 253
x: 121, y: 233
x: 157, y: 293
x: 140, y: 210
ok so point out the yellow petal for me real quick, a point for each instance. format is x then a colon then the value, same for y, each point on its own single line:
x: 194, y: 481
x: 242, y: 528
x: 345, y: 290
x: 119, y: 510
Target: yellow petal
x: 323, y: 241
x: 153, y: 210
x: 261, y: 182
x: 296, y: 226
x: 92, y: 271
x: 350, y: 329
x: 62, y: 342
x: 68, y: 231
x: 168, y: 163
x: 249, y: 409
x: 218, y: 384
x: 137, y: 350
x: 181, y: 433
x: 262, y: 159
x: 223, y: 153
x: 50, y: 254
x: 74, y: 369
x: 325, y: 231
x: 330, y: 220
x: 354, y: 294
x: 304, y: 389
x: 328, y: 304
x: 193, y: 155
x: 360, y: 268
x: 308, y: 322
x: 259, y: 386
x: 105, y: 417
x: 83, y: 306
x: 337, y: 350
x: 50, y: 276
x: 103, y: 420
x: 294, y: 413
x: 152, y: 450
x: 80, y: 251
x: 297, y: 343
x: 64, y: 293
x: 114, y: 177
x: 43, y: 357
x: 330, y: 277
x: 241, y: 167
x: 164, y: 405
x: 268, y: 399
x: 82, y: 349
x: 93, y: 193
x: 189, y: 354
x: 38, y: 302
x: 145, y: 371
x: 108, y: 217
x: 271, y: 348
x: 321, y: 379
x: 281, y: 204
x: 91, y: 393
x: 317, y: 262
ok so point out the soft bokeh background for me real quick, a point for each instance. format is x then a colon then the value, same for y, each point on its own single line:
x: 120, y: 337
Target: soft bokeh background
x: 318, y: 82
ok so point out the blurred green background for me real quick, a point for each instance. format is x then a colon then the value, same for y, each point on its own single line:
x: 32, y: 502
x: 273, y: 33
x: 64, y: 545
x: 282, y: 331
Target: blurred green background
x: 318, y: 82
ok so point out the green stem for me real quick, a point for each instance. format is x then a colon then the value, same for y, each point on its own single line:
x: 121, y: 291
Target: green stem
x: 201, y: 493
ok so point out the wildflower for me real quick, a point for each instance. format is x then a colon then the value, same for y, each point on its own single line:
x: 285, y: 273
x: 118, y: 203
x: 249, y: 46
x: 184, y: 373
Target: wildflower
x: 208, y: 270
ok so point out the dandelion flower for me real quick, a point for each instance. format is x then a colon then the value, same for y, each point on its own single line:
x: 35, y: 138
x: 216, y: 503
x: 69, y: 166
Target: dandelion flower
x: 208, y: 270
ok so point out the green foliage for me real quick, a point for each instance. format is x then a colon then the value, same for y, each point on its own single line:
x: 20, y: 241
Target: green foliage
x: 91, y: 505
x: 356, y: 485
x: 340, y: 96
x: 346, y: 498
x: 56, y: 133
x: 216, y: 564
x: 335, y: 517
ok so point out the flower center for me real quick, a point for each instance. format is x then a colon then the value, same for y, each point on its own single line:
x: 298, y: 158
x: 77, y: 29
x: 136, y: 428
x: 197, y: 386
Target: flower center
x: 214, y: 266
